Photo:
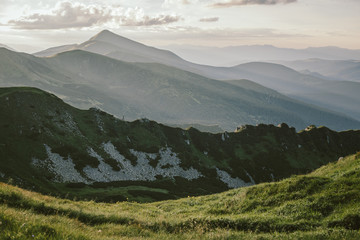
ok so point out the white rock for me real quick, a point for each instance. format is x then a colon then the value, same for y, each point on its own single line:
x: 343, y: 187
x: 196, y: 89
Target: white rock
x: 233, y: 182
x: 64, y: 169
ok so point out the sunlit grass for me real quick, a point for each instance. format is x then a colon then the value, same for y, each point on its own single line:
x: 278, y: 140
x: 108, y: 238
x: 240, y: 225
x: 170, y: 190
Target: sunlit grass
x: 321, y: 205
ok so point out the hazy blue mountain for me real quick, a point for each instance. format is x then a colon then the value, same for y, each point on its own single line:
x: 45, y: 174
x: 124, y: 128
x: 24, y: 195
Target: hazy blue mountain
x: 55, y: 50
x: 348, y: 70
x: 340, y: 96
x: 112, y: 45
x: 7, y: 47
x: 305, y: 85
x: 159, y: 92
x: 233, y: 55
x: 115, y: 46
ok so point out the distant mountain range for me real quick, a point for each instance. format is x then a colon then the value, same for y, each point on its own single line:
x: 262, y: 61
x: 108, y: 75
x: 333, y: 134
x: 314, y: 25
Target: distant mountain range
x: 160, y: 92
x: 233, y: 55
x: 346, y: 70
x: 307, y: 86
x: 49, y: 146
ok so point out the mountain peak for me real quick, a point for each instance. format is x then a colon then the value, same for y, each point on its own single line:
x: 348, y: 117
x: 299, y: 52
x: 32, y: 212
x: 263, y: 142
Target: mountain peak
x: 107, y: 36
x: 105, y: 32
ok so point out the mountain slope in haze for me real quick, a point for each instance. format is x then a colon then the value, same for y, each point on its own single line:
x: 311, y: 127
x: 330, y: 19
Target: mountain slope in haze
x: 55, y: 50
x: 49, y: 146
x: 305, y: 87
x: 321, y: 205
x: 159, y: 92
x: 347, y: 70
x: 112, y: 45
x: 234, y: 55
x: 339, y: 96
x: 7, y: 47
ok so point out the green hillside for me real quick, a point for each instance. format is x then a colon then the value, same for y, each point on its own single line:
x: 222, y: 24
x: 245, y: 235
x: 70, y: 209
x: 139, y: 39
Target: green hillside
x: 321, y: 205
x: 50, y: 147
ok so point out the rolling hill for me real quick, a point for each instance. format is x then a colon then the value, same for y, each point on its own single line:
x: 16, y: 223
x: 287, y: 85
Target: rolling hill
x: 159, y: 92
x: 51, y: 147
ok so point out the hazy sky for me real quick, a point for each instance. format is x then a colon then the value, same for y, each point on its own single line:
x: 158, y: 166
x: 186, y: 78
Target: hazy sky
x: 32, y: 25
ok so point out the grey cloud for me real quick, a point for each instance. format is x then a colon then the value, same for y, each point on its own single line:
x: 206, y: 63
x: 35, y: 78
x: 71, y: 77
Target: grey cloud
x: 149, y: 21
x: 251, y: 2
x: 211, y: 19
x: 77, y: 15
x: 226, y: 35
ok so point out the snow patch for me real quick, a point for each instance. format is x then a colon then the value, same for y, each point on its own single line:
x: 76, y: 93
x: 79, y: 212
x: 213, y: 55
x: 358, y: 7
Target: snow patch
x: 64, y: 169
x: 233, y: 182
x: 168, y: 165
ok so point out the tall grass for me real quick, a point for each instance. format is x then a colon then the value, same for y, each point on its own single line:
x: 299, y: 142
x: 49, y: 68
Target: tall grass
x: 322, y: 205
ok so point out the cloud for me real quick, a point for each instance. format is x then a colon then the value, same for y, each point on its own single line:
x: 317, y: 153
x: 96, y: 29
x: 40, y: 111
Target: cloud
x: 171, y: 4
x: 149, y: 21
x: 137, y: 17
x: 211, y: 19
x: 233, y: 3
x: 78, y: 15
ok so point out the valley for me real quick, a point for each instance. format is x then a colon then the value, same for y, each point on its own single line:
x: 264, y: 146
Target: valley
x: 163, y: 128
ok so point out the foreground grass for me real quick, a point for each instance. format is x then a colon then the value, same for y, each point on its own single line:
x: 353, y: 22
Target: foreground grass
x: 322, y: 205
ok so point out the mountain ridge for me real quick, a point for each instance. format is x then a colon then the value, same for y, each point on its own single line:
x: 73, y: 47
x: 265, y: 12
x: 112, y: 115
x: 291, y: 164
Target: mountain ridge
x: 44, y: 136
x: 152, y: 90
x: 308, y: 87
x: 7, y: 47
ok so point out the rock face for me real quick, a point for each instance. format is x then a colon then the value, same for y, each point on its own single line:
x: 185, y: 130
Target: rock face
x: 49, y: 146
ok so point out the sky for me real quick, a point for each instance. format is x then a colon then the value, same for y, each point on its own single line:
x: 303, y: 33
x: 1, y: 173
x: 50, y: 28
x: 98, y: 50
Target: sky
x: 34, y: 25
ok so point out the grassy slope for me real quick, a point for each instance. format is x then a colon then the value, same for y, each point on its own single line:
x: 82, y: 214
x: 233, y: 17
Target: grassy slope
x: 321, y: 205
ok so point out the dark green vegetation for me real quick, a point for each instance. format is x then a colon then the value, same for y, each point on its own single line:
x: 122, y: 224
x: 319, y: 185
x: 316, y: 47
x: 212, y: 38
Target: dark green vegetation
x: 31, y: 118
x: 159, y: 92
x: 322, y: 205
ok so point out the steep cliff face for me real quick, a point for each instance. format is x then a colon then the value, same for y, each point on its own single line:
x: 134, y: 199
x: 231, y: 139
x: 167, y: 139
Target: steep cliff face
x: 49, y: 146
